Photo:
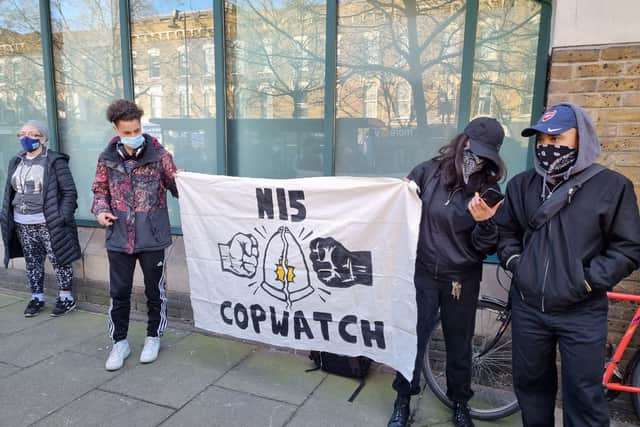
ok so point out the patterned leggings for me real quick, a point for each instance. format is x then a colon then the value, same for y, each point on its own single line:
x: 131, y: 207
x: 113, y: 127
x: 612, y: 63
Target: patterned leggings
x: 36, y: 245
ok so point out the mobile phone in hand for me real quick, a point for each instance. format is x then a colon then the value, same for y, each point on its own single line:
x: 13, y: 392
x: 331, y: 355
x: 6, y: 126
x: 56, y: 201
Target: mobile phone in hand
x: 492, y: 197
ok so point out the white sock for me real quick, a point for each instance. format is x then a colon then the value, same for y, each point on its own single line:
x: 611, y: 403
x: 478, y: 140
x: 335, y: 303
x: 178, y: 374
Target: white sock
x: 66, y: 295
x: 39, y: 297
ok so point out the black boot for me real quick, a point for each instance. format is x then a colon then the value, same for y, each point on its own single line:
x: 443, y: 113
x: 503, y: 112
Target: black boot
x: 401, y: 410
x: 461, y: 417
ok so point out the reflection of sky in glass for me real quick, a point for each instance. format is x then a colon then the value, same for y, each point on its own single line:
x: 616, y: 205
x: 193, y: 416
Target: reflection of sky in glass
x: 78, y: 15
x: 273, y: 4
x: 163, y: 7
x: 20, y: 16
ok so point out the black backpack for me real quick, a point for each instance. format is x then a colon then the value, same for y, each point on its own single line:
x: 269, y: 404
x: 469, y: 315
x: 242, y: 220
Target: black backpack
x: 346, y: 366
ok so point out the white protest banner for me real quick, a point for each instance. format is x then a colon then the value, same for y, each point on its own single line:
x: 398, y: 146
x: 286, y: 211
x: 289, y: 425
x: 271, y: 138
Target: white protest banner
x: 313, y: 264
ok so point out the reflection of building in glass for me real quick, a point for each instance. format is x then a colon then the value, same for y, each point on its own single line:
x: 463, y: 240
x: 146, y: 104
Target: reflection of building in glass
x: 398, y: 76
x: 174, y: 69
x: 21, y: 88
x: 276, y: 61
x: 503, y: 71
x: 384, y: 53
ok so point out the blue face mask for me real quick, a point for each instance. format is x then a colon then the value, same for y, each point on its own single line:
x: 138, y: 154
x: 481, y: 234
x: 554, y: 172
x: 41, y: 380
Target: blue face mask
x: 133, y: 142
x: 29, y: 144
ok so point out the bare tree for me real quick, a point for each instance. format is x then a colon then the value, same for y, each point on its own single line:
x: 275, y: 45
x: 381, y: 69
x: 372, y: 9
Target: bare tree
x: 280, y: 53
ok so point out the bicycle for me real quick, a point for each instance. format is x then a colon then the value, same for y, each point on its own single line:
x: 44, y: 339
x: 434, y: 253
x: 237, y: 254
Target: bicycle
x: 615, y: 380
x: 491, y: 378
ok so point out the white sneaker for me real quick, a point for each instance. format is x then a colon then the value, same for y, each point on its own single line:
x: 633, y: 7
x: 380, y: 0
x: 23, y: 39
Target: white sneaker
x: 150, y: 349
x: 119, y: 353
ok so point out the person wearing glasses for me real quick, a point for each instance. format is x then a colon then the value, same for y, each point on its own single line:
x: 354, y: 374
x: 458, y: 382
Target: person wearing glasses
x: 37, y: 220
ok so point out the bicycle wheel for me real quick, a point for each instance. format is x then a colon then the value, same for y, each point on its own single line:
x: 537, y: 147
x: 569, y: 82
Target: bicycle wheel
x: 634, y: 380
x: 491, y: 378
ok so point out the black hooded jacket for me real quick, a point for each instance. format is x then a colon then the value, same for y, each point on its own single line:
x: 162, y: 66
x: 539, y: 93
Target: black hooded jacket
x: 451, y: 245
x: 60, y: 203
x: 586, y: 248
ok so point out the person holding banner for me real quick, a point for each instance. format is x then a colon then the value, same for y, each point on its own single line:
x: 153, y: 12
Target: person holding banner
x: 133, y: 175
x: 457, y: 232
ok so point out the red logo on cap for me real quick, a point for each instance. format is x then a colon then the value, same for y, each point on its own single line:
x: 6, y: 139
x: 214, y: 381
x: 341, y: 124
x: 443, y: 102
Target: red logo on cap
x: 548, y: 115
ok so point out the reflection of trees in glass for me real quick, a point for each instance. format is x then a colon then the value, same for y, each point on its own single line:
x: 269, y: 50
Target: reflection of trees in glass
x: 412, y: 48
x: 87, y: 58
x: 419, y: 43
x: 504, y: 70
x: 22, y: 94
x: 276, y: 58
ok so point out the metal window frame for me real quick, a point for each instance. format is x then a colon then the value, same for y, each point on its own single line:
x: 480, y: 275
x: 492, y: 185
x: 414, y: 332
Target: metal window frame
x: 331, y: 49
x: 468, y: 60
x: 219, y: 46
x: 124, y: 15
x: 46, y: 39
x: 541, y: 77
x: 330, y: 75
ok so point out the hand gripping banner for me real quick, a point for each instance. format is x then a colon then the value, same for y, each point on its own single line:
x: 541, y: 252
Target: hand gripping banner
x: 312, y: 264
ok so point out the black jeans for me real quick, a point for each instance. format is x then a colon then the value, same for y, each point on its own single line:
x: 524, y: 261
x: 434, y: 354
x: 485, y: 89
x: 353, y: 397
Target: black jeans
x: 458, y: 323
x: 580, y: 333
x: 121, y: 269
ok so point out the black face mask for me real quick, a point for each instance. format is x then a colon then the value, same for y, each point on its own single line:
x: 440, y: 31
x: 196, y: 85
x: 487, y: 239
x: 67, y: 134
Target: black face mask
x: 556, y: 159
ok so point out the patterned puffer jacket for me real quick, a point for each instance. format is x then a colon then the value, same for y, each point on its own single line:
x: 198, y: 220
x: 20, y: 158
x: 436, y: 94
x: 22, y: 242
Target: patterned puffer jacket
x: 138, y: 199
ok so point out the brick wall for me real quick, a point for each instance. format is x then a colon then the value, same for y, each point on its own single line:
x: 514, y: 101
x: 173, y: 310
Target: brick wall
x: 605, y: 80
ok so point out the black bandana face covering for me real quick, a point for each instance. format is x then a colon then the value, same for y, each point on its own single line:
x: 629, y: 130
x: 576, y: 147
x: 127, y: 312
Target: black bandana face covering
x: 471, y: 163
x: 556, y: 159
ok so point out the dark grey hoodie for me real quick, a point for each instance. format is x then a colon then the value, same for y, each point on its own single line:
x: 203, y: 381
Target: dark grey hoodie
x: 588, y: 149
x: 584, y: 250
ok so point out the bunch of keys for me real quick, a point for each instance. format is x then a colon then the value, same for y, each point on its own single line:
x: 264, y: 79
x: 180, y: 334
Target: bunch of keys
x: 456, y: 290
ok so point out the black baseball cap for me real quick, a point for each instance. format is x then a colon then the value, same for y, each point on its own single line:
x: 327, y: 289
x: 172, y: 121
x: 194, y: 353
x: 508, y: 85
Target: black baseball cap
x: 556, y: 120
x: 485, y: 137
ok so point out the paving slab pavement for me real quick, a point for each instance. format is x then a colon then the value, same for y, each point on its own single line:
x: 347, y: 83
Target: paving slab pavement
x: 99, y: 408
x: 223, y: 407
x: 8, y: 299
x: 52, y: 374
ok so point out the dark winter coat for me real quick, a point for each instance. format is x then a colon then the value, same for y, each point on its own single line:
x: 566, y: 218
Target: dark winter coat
x: 138, y: 199
x: 585, y: 249
x: 60, y: 203
x: 451, y: 245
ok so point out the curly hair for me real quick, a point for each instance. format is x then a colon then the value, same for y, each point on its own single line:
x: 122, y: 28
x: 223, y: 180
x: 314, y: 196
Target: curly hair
x: 450, y: 157
x: 123, y: 109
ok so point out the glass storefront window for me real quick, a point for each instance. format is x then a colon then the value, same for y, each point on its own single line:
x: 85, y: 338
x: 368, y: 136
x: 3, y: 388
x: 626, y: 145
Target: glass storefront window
x: 275, y: 87
x: 399, y: 67
x: 22, y: 94
x: 174, y: 77
x: 397, y: 96
x: 88, y: 73
x: 503, y: 77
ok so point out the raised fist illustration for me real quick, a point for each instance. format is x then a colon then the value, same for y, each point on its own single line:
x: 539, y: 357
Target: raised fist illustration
x: 240, y: 255
x: 338, y: 267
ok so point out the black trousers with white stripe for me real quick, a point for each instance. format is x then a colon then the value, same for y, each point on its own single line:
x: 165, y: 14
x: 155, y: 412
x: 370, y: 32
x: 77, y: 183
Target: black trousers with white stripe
x: 121, y: 269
